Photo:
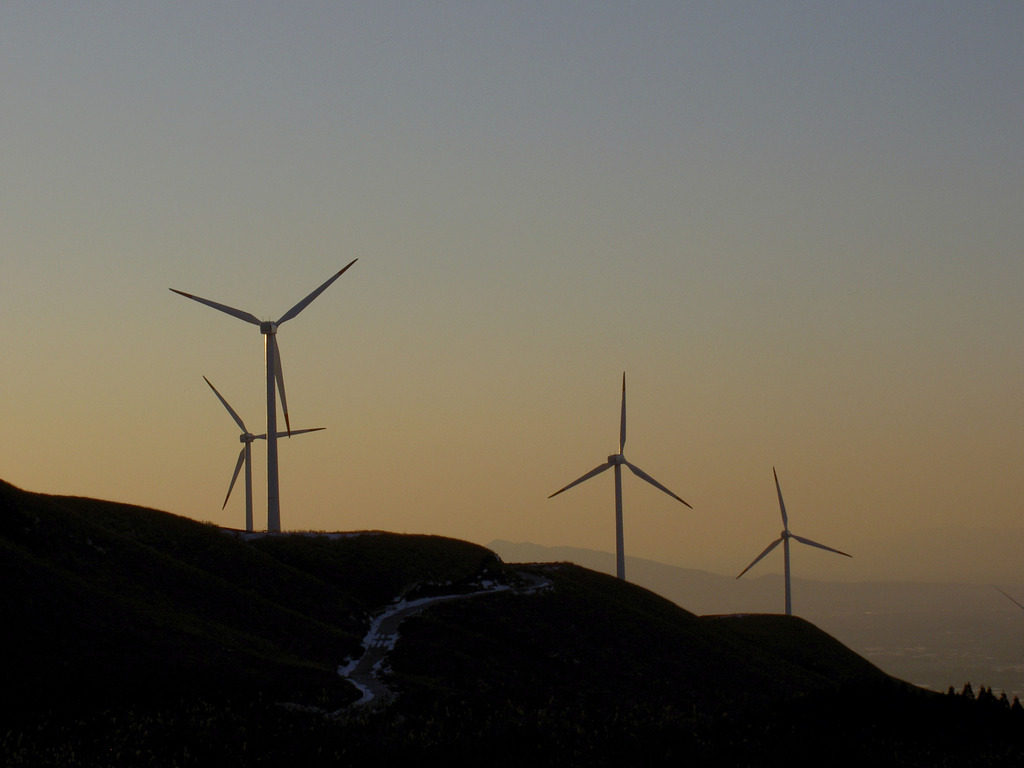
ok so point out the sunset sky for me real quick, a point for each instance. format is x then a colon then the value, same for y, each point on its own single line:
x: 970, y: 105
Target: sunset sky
x: 797, y: 227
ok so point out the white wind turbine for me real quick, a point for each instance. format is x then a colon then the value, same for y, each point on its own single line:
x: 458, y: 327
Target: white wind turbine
x: 245, y: 455
x: 784, y: 538
x: 617, y: 460
x: 274, y: 375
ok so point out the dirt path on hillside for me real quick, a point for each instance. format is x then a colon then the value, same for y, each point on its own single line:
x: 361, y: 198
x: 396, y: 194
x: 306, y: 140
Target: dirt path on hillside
x: 364, y: 673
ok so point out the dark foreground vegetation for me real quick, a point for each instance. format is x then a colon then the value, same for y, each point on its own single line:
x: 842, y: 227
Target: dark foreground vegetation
x: 132, y: 637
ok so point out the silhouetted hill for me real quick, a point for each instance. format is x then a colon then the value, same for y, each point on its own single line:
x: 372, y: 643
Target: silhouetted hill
x: 930, y: 634
x: 598, y: 634
x: 112, y: 600
x: 136, y: 637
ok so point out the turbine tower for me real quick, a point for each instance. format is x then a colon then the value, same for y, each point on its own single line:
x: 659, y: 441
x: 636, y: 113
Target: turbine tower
x: 617, y: 460
x: 245, y: 456
x: 784, y: 538
x: 274, y: 375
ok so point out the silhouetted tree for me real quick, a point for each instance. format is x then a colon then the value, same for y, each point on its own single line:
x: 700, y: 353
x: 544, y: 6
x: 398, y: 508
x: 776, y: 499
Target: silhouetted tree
x: 1004, y: 701
x: 1016, y: 706
x: 968, y: 691
x: 951, y: 691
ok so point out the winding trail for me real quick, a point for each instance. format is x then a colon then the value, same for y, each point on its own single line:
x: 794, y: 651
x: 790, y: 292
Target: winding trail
x: 364, y: 673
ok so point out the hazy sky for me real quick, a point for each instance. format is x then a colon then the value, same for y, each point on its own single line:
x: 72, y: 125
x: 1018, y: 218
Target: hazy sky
x: 796, y: 226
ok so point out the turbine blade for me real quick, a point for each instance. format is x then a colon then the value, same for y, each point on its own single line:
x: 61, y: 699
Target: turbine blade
x: 279, y: 373
x: 622, y: 422
x: 802, y: 540
x: 757, y: 559
x: 289, y: 434
x: 235, y: 416
x: 295, y: 432
x: 238, y: 466
x: 1007, y: 596
x: 782, y: 504
x: 644, y: 476
x: 306, y: 301
x: 241, y: 315
x: 595, y: 471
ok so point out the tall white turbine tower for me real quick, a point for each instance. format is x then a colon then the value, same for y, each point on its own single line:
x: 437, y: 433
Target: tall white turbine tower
x: 784, y: 538
x: 245, y: 455
x: 274, y: 374
x: 617, y: 460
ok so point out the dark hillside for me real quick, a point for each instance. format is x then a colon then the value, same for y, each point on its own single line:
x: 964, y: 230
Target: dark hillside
x: 776, y: 638
x: 596, y: 637
x: 104, y: 600
x: 136, y: 637
x: 371, y: 569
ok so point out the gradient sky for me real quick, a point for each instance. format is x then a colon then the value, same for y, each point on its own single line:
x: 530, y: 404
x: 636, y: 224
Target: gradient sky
x: 796, y: 226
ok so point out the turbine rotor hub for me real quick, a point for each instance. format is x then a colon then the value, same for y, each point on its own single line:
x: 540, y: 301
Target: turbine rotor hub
x: 268, y: 328
x: 616, y: 458
x: 785, y: 534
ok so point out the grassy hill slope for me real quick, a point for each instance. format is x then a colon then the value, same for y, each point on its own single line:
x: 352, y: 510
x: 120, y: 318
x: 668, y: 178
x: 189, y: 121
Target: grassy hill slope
x: 136, y: 637
x: 621, y: 644
x: 106, y: 601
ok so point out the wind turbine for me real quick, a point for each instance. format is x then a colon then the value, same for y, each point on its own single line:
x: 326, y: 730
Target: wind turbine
x: 784, y: 538
x: 617, y: 460
x: 274, y: 375
x: 245, y: 455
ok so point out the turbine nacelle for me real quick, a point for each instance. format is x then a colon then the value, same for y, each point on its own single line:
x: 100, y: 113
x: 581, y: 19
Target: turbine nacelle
x: 616, y: 458
x: 268, y: 328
